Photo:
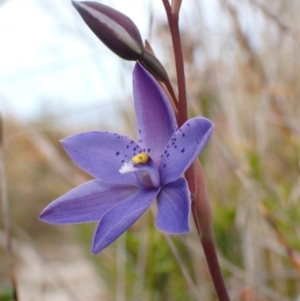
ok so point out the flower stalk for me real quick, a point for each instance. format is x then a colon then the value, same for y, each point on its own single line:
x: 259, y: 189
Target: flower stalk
x: 201, y: 209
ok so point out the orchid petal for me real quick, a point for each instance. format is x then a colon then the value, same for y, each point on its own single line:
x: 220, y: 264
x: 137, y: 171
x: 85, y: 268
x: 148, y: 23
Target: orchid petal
x: 156, y: 121
x: 173, y: 204
x: 121, y: 217
x: 184, y: 147
x: 86, y: 203
x: 101, y: 154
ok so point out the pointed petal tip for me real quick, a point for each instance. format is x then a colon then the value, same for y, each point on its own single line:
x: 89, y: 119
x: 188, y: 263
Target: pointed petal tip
x: 96, y: 249
x: 41, y: 216
x: 44, y: 216
x: 138, y: 68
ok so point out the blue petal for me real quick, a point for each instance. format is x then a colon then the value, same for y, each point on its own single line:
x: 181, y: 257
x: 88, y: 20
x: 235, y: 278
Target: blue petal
x: 184, y: 147
x: 117, y: 220
x: 102, y: 154
x: 86, y: 203
x: 156, y: 121
x: 174, y: 206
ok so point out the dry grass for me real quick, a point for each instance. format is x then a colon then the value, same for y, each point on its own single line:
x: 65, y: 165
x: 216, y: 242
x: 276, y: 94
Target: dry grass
x: 243, y: 73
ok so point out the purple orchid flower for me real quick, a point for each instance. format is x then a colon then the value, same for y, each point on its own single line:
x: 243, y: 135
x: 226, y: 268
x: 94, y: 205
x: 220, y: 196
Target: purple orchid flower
x: 130, y: 175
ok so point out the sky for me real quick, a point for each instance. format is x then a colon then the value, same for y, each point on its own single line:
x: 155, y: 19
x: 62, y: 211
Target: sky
x: 51, y: 63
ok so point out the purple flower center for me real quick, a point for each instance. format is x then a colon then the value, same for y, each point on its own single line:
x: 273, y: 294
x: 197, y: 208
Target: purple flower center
x: 145, y: 170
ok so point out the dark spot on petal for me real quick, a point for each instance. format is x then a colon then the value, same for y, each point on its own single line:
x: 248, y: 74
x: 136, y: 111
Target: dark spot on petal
x: 173, y: 143
x: 182, y: 150
x: 168, y: 146
x: 148, y: 150
x: 127, y: 146
x: 168, y: 155
x: 164, y: 165
x: 183, y: 135
x: 117, y: 153
x: 166, y: 151
x: 161, y: 156
x: 188, y: 124
x: 175, y: 146
x: 131, y: 141
x: 140, y: 131
x: 134, y: 149
x: 123, y: 161
x: 125, y: 156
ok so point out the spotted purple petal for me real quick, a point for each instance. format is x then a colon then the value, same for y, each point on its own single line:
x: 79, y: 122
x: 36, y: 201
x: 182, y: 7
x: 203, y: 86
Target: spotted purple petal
x: 117, y: 220
x: 156, y: 121
x: 101, y: 154
x: 184, y: 147
x: 86, y: 203
x: 173, y: 204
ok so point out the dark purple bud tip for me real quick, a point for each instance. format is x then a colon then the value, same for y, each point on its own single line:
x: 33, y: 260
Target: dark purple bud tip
x: 113, y: 28
x: 154, y: 66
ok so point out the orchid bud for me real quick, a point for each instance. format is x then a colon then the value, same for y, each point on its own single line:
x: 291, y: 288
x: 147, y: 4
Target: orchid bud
x: 154, y: 66
x: 113, y: 28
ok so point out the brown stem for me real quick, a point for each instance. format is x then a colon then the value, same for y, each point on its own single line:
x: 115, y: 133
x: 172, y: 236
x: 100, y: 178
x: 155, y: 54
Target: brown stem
x: 176, y: 41
x: 200, y: 206
x: 201, y: 211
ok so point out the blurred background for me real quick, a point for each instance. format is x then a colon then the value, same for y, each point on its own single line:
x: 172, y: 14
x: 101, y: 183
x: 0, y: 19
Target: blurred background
x: 242, y: 71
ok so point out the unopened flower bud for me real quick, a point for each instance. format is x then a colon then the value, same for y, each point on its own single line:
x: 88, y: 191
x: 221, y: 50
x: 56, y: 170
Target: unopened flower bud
x: 154, y: 66
x: 113, y: 28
